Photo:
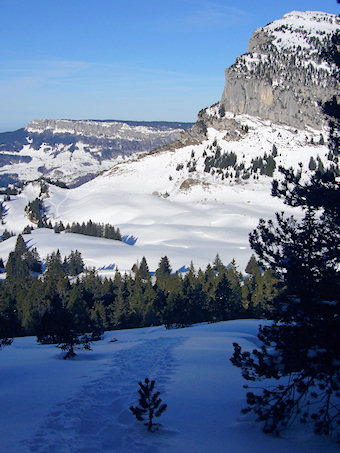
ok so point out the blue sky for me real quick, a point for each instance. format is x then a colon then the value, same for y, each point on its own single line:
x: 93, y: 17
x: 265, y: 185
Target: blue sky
x: 137, y: 60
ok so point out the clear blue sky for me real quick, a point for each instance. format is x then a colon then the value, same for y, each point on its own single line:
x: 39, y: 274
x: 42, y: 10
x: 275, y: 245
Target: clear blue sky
x: 130, y: 59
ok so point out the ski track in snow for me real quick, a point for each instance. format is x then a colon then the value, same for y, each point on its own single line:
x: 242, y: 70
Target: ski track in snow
x: 97, y: 418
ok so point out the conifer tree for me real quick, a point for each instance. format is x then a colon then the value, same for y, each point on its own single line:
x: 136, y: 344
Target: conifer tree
x: 144, y: 268
x: 151, y: 315
x: 175, y: 312
x: 33, y: 307
x: 122, y: 309
x: 54, y: 267
x: 78, y: 309
x: 218, y: 265
x: 149, y: 404
x: 51, y: 326
x: 6, y: 331
x: 69, y: 339
x: 301, y: 348
x: 222, y: 308
x: 312, y: 164
x: 74, y: 263
x: 160, y: 302
x: 235, y: 280
x: 164, y: 269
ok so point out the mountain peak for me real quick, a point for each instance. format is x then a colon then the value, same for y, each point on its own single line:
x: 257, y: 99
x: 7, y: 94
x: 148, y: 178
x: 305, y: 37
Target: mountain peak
x: 288, y: 72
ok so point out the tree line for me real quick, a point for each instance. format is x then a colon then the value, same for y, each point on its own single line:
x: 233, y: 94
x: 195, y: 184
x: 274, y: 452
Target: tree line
x: 32, y: 302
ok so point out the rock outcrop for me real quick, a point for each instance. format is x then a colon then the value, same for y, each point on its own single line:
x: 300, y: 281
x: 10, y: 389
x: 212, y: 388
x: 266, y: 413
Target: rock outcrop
x: 288, y: 72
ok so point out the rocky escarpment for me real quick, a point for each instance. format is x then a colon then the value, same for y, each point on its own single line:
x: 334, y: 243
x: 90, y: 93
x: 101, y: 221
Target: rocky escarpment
x: 75, y: 151
x: 143, y: 133
x: 288, y: 72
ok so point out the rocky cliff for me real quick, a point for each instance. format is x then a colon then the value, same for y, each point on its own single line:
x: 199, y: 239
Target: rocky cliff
x: 288, y: 72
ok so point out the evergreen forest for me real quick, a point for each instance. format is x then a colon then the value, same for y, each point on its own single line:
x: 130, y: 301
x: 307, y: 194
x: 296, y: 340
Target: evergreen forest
x: 33, y: 302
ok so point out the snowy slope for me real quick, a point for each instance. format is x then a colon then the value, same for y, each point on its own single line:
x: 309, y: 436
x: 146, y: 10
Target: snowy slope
x: 49, y: 405
x: 302, y: 28
x: 186, y: 215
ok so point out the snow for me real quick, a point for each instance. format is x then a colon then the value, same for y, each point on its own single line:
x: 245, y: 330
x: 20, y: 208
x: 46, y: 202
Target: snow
x: 111, y: 129
x: 201, y: 216
x: 52, y: 405
x: 299, y: 26
x: 69, y: 163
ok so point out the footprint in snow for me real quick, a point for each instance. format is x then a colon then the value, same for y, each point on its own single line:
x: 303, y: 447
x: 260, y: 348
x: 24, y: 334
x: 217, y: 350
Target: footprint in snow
x: 97, y: 419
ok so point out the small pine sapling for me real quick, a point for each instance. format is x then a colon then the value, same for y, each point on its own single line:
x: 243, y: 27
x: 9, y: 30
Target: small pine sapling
x: 73, y: 340
x: 149, y: 404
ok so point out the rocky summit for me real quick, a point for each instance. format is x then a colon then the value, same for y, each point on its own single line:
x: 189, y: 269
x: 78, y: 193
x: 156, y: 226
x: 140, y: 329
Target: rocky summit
x: 288, y: 72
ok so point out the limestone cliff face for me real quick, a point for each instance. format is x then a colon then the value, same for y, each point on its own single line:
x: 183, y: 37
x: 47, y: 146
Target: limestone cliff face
x: 288, y: 71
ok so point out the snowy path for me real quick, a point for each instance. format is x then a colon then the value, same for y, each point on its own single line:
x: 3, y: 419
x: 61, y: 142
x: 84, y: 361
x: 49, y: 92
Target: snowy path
x: 97, y: 418
x: 50, y: 405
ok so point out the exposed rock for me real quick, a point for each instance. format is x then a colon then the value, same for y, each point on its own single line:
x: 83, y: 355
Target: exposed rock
x: 288, y: 72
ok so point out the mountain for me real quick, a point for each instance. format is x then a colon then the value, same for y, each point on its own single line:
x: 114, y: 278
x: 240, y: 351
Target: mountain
x: 205, y: 192
x: 76, y: 151
x: 288, y: 72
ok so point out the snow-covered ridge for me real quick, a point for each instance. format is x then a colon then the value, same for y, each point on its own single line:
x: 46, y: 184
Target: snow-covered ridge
x: 100, y: 129
x: 303, y: 28
x: 74, y: 151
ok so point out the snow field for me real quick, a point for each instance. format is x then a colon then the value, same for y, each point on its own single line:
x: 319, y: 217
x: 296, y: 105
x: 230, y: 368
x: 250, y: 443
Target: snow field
x: 188, y: 216
x: 82, y: 405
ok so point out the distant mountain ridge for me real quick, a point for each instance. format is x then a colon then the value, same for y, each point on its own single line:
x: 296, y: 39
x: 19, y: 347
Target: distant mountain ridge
x: 74, y: 151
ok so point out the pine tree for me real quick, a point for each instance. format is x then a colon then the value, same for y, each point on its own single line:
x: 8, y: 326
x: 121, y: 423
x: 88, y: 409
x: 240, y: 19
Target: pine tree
x: 164, y: 269
x: 78, y: 309
x: 54, y: 267
x: 17, y: 267
x: 149, y: 404
x: 151, y: 315
x: 235, y: 300
x: 301, y: 348
x: 312, y: 164
x: 159, y: 302
x: 218, y: 265
x: 122, y: 309
x: 6, y: 331
x: 220, y: 309
x: 174, y: 314
x: 33, y: 307
x: 143, y: 268
x: 74, y: 263
x: 69, y: 340
x: 50, y: 329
